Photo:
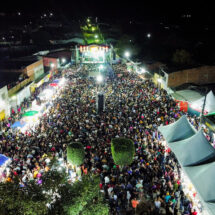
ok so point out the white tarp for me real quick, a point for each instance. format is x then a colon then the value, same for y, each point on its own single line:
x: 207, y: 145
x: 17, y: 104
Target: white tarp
x: 209, y: 103
x: 177, y: 131
x: 194, y: 150
x: 202, y: 178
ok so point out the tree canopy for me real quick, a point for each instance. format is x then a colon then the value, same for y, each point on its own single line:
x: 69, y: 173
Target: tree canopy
x: 122, y: 151
x: 75, y: 153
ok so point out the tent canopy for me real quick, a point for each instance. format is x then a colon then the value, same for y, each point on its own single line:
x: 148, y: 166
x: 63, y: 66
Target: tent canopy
x: 211, y: 207
x: 177, y: 131
x: 202, y: 177
x: 56, y: 81
x: 30, y: 113
x: 194, y: 150
x: 53, y: 84
x: 3, y: 159
x: 209, y: 104
x: 18, y: 124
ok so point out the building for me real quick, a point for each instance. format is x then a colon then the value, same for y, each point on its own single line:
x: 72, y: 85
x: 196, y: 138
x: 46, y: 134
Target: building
x: 201, y: 75
x: 4, y: 103
x: 29, y: 66
x: 18, y: 76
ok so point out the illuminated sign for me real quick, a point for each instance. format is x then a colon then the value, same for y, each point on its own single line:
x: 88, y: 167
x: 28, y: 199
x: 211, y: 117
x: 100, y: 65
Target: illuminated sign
x: 94, y: 48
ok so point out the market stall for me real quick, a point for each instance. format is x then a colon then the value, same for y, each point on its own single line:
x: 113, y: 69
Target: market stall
x: 4, y: 161
x: 196, y: 156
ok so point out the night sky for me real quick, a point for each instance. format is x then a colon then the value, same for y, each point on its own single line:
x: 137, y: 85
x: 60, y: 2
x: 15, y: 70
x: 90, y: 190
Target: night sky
x: 115, y: 9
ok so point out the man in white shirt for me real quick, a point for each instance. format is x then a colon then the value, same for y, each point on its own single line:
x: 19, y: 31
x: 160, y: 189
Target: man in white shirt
x: 107, y: 180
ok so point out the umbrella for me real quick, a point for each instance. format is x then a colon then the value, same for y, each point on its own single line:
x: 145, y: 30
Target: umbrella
x: 3, y: 159
x: 18, y: 124
x: 53, y: 84
x: 30, y: 113
x: 56, y: 81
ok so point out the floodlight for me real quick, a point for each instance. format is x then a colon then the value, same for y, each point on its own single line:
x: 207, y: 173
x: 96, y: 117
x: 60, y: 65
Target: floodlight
x: 127, y: 54
x: 99, y: 79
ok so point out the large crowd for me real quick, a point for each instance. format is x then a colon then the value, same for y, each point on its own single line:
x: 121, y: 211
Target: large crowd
x: 134, y: 108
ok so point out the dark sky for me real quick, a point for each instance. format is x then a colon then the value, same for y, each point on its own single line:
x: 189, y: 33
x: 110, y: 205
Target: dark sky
x: 113, y: 9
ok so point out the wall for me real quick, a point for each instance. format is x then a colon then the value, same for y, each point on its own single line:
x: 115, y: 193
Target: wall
x: 38, y: 71
x: 19, y: 86
x: 19, y: 97
x: 30, y: 70
x: 4, y: 105
x: 62, y: 54
x: 200, y: 75
x: 47, y: 61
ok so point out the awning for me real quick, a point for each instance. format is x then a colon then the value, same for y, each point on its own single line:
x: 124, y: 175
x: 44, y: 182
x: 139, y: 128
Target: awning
x: 30, y: 113
x: 202, y: 177
x: 177, y: 131
x: 194, y: 150
x: 18, y: 124
x: 3, y: 159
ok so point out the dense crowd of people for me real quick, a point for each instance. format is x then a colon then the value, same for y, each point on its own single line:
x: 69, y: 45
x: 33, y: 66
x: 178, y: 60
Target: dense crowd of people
x: 134, y: 108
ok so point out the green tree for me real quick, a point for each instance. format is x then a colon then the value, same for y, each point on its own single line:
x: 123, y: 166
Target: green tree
x: 181, y: 57
x: 87, y: 199
x: 22, y: 201
x: 122, y: 151
x: 75, y: 153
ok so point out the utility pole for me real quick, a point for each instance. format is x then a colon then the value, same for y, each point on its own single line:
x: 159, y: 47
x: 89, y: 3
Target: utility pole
x: 203, y: 108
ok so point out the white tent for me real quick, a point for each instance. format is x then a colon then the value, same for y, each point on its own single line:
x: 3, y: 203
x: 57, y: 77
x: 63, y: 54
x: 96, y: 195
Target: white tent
x: 202, y: 178
x: 177, y: 131
x: 209, y: 103
x: 194, y: 150
x: 211, y: 207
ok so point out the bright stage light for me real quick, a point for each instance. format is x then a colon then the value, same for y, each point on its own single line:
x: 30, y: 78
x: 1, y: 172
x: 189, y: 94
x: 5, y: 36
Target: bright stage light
x: 63, y: 60
x: 127, y: 54
x: 99, y: 79
x: 96, y: 36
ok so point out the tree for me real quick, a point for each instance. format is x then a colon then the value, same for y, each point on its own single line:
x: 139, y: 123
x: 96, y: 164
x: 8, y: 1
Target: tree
x: 182, y: 57
x: 22, y: 201
x: 122, y: 151
x: 87, y: 198
x: 75, y: 153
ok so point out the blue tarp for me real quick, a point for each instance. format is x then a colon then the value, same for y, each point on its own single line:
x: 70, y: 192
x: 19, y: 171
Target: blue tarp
x: 18, y: 124
x: 3, y: 159
x: 56, y: 81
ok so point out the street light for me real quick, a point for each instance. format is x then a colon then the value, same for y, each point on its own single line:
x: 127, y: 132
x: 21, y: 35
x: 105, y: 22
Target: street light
x: 127, y: 54
x: 99, y: 79
x: 148, y: 35
x: 143, y: 70
x: 52, y: 65
x: 63, y: 60
x: 96, y: 36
